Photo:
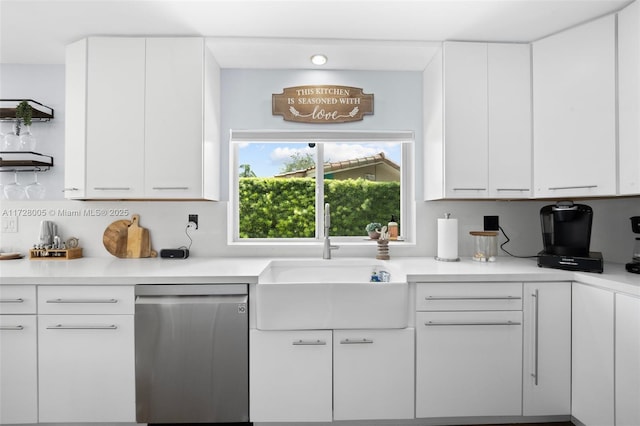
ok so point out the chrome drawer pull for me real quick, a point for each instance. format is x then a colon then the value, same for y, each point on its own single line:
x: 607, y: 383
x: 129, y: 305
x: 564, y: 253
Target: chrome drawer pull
x: 431, y: 323
x: 18, y: 300
x: 82, y: 301
x: 309, y: 342
x: 115, y: 188
x: 12, y: 327
x: 82, y: 327
x: 573, y: 187
x: 473, y: 298
x: 170, y: 188
x: 469, y: 189
x: 513, y: 189
x: 355, y: 342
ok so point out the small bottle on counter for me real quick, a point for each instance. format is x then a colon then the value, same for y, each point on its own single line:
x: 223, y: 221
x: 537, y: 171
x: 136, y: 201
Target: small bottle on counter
x: 392, y: 228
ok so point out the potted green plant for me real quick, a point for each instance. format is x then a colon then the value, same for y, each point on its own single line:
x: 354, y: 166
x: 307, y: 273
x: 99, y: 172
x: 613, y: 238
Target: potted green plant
x: 373, y: 229
x: 24, y: 114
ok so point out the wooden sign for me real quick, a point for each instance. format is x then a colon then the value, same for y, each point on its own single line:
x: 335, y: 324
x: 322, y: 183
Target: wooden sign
x: 322, y: 104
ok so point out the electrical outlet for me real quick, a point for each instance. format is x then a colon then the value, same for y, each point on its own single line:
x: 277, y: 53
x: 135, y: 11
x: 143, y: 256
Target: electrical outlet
x: 9, y: 224
x: 194, y: 218
x: 491, y: 223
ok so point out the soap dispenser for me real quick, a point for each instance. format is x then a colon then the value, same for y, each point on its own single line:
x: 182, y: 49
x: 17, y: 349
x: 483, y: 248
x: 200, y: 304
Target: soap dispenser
x: 392, y: 227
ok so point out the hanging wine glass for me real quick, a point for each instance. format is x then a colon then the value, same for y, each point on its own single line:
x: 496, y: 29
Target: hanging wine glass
x: 27, y: 140
x: 35, y: 190
x: 13, y: 190
x: 11, y: 141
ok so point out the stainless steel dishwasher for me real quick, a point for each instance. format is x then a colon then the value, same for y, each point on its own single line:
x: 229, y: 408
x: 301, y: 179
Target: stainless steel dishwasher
x: 192, y: 353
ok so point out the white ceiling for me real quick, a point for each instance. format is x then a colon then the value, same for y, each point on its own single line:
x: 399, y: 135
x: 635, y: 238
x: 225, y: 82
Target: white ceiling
x: 354, y: 34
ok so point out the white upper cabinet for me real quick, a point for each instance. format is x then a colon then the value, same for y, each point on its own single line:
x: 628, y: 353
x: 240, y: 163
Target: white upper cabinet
x: 574, y: 111
x: 509, y: 120
x: 105, y: 118
x: 629, y: 99
x: 145, y: 119
x: 477, y: 121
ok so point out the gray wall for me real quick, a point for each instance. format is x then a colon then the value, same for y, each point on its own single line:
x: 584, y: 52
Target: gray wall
x: 397, y: 107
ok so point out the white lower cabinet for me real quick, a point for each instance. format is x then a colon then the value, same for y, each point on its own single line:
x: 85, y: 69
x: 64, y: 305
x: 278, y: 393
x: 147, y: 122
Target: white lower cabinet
x: 18, y: 355
x: 546, y: 380
x: 592, y: 363
x: 86, y: 362
x: 627, y: 361
x: 373, y: 374
x: 324, y: 375
x: 291, y: 375
x: 468, y: 364
x: 18, y: 369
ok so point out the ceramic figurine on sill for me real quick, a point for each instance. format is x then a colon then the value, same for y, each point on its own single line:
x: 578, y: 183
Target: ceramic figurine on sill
x: 383, y: 245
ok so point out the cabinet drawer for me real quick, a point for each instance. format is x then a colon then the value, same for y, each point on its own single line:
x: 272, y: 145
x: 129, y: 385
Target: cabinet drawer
x: 469, y: 297
x: 18, y: 299
x: 86, y: 300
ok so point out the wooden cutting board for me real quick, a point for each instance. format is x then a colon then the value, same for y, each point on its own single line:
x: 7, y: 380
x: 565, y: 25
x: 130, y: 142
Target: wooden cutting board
x: 127, y: 239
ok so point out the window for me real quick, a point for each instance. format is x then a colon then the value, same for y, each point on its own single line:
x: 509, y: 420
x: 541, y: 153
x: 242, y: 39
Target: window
x: 281, y: 181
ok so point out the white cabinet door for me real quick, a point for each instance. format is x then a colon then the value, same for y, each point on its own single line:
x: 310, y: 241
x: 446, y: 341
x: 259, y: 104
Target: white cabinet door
x: 86, y: 368
x: 629, y: 98
x: 547, y: 349
x: 592, y: 356
x: 509, y: 97
x: 373, y: 374
x: 291, y: 376
x: 18, y: 369
x: 75, y: 130
x: 115, y: 117
x: 174, y: 117
x: 468, y: 364
x: 465, y: 115
x: 574, y: 108
x: 627, y: 362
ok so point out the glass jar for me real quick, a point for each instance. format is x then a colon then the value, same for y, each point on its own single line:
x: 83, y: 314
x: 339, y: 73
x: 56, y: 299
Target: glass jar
x: 485, y: 246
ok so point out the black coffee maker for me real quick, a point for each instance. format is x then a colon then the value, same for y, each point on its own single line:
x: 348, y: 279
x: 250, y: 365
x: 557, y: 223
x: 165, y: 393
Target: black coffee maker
x: 566, y: 236
x: 634, y: 265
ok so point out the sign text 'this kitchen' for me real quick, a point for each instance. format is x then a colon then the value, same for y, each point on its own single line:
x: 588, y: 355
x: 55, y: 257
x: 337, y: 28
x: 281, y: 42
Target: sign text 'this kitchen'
x: 322, y: 104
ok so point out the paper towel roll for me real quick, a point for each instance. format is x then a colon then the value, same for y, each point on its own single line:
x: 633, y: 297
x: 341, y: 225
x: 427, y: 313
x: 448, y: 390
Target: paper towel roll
x: 447, y: 240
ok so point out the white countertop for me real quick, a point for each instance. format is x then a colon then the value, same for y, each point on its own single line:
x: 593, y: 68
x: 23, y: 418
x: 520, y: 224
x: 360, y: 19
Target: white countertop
x: 114, y: 271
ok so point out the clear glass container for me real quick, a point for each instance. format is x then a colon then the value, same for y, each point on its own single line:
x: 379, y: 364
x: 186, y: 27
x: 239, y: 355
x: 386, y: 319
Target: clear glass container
x: 485, y: 246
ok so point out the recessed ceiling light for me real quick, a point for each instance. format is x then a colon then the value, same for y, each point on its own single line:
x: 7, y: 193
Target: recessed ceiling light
x: 318, y: 59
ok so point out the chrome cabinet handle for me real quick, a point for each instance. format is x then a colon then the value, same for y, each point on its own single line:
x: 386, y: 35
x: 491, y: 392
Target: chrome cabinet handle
x: 175, y: 188
x: 114, y: 188
x: 82, y: 301
x: 431, y: 323
x: 18, y: 300
x: 513, y: 189
x: 557, y: 188
x: 309, y: 342
x: 473, y: 298
x: 355, y: 341
x: 82, y: 327
x: 12, y: 327
x: 70, y: 189
x: 536, y: 304
x: 469, y: 189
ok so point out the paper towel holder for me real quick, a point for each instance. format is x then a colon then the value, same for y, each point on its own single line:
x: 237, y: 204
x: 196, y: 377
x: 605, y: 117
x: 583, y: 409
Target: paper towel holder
x: 447, y: 216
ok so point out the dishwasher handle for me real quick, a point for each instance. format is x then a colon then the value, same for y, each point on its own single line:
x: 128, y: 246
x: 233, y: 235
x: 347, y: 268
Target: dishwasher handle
x: 192, y: 300
x: 191, y: 289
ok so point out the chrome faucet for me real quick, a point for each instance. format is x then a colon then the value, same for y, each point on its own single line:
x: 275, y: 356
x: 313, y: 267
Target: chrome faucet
x: 326, y: 252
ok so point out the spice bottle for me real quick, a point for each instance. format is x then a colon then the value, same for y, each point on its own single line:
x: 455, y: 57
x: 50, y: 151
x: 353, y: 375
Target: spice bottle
x: 392, y: 228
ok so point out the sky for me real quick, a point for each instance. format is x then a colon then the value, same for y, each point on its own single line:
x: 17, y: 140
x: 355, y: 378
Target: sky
x: 266, y: 159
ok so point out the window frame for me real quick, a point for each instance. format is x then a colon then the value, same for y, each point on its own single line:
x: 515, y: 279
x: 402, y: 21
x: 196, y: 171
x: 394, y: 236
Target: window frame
x: 320, y: 137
